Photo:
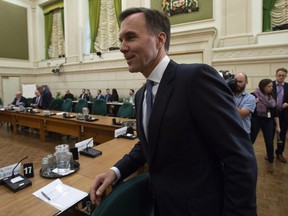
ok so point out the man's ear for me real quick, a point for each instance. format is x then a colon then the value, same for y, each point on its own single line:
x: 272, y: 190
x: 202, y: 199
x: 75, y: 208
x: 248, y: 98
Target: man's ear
x: 161, y: 39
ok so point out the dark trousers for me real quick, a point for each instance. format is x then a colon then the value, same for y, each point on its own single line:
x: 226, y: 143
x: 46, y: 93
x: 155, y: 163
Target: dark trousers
x: 283, y: 126
x: 266, y: 125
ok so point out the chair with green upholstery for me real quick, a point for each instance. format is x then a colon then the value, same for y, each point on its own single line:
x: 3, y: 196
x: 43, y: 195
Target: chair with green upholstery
x: 126, y: 110
x: 80, y: 104
x: 56, y: 104
x: 28, y: 101
x: 99, y: 107
x: 131, y: 198
x: 1, y: 103
x: 67, y: 105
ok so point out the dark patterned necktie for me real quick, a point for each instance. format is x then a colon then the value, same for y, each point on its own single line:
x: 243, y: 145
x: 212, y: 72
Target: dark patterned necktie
x: 279, y: 96
x: 149, y: 99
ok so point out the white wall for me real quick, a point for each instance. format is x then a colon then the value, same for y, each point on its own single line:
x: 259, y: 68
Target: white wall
x: 231, y: 40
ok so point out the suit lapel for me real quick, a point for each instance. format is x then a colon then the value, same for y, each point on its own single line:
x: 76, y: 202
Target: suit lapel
x: 165, y: 89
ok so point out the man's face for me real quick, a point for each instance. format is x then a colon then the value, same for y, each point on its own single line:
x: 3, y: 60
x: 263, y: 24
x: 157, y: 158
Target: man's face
x: 18, y: 95
x: 280, y: 76
x: 37, y: 93
x: 241, y: 84
x: 137, y: 44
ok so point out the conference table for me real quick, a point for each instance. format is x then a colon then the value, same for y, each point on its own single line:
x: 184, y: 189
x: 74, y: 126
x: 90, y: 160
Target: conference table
x: 102, y: 129
x: 25, y: 203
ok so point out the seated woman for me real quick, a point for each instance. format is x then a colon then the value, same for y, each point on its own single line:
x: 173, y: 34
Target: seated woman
x: 115, y: 97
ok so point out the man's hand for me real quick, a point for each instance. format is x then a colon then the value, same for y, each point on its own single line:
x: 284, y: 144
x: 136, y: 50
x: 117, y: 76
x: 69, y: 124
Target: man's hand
x: 101, y: 183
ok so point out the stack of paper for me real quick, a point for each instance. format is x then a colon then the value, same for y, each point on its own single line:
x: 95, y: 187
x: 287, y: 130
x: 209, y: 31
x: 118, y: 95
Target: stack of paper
x: 60, y: 195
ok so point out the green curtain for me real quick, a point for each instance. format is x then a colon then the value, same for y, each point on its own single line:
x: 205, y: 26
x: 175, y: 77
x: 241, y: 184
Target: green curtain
x: 118, y: 9
x: 94, y: 17
x: 48, y: 31
x: 267, y: 7
x: 52, y: 6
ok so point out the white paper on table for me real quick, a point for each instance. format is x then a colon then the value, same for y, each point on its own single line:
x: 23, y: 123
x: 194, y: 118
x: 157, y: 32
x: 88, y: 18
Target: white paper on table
x: 61, y: 196
x: 62, y: 172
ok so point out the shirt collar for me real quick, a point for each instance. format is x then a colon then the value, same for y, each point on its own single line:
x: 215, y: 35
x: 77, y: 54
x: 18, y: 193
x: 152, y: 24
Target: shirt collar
x: 242, y: 94
x: 277, y: 83
x: 157, y: 73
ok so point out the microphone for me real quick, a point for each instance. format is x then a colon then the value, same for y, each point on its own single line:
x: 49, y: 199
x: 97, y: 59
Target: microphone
x: 18, y: 182
x: 13, y: 174
x: 89, y: 151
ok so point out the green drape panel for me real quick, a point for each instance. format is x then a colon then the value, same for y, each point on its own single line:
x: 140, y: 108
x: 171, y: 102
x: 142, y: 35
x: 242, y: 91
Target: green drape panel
x: 48, y: 31
x: 118, y: 9
x: 267, y: 7
x: 94, y: 17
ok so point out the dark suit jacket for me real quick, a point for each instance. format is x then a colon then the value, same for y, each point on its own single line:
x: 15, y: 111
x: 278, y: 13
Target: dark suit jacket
x: 23, y: 100
x: 201, y: 161
x: 46, y: 98
x: 100, y: 97
x: 285, y: 98
x: 108, y: 97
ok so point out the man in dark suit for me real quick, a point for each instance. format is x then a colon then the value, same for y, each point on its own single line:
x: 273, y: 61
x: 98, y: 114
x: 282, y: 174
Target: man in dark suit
x: 19, y: 100
x: 68, y: 95
x: 108, y: 95
x: 201, y: 161
x: 46, y: 97
x: 99, y: 95
x: 280, y: 91
x: 35, y: 103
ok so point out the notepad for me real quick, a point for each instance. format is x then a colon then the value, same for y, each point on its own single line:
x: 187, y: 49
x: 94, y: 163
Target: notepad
x: 61, y: 196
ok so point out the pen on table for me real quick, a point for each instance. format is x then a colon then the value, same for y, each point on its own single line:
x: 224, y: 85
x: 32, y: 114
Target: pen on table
x: 45, y: 195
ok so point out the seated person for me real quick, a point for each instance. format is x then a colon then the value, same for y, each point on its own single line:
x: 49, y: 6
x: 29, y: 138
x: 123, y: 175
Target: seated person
x: 108, y: 95
x: 131, y: 97
x: 114, y: 97
x: 99, y: 95
x: 83, y: 94
x: 88, y: 95
x: 19, y: 100
x: 58, y: 95
x: 68, y: 95
x: 36, y: 101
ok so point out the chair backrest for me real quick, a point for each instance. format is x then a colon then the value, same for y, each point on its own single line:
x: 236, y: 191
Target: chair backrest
x: 55, y: 104
x: 79, y: 106
x: 99, y: 107
x: 131, y: 198
x: 126, y: 110
x: 67, y: 105
x: 28, y: 101
x: 1, y: 103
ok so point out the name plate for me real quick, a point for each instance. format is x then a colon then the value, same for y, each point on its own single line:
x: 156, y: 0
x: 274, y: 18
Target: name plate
x: 7, y: 171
